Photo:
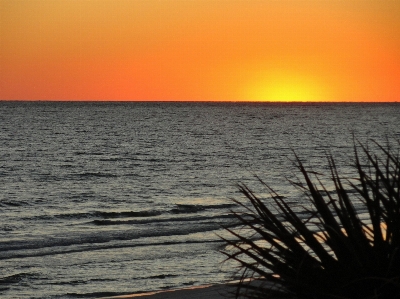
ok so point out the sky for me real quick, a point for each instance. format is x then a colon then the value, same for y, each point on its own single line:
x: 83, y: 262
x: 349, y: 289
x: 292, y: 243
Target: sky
x: 200, y: 50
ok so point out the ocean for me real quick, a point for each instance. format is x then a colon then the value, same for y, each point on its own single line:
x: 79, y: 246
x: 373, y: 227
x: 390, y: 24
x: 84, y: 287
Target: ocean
x: 110, y: 198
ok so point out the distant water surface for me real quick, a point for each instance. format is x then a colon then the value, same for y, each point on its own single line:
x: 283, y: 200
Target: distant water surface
x: 103, y: 199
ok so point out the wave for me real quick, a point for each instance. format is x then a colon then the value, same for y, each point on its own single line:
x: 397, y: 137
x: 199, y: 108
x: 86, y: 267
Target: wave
x: 187, y: 209
x: 162, y: 276
x: 16, y: 278
x: 11, y: 203
x: 175, y: 219
x: 178, y: 209
x: 94, y: 242
x: 112, y: 159
x: 96, y: 214
x: 96, y: 174
x: 80, y: 153
x: 181, y: 208
x: 130, y: 214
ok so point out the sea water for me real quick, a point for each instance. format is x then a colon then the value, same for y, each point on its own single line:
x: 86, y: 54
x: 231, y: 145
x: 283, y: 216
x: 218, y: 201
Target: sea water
x: 101, y: 199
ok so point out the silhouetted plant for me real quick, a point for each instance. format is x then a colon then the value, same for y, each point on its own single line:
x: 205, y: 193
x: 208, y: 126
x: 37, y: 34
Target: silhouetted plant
x: 338, y: 251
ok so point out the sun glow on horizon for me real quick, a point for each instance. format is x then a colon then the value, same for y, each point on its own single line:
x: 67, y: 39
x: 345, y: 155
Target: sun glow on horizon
x: 286, y: 86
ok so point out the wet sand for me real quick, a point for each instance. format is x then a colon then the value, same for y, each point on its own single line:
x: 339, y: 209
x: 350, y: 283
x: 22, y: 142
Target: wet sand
x: 201, y: 292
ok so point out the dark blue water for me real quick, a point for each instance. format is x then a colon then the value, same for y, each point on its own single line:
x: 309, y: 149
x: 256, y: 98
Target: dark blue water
x: 110, y: 198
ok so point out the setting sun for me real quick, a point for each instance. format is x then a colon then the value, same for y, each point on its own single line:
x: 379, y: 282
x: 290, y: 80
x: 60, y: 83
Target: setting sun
x: 287, y: 87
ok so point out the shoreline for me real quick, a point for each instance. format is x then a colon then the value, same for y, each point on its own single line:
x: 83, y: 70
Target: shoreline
x: 213, y: 291
x: 217, y: 291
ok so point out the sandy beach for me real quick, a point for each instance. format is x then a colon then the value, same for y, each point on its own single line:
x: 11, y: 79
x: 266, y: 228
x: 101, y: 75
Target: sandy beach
x: 217, y: 291
x: 201, y: 292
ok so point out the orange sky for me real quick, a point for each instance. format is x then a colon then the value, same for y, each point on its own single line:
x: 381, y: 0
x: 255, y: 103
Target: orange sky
x: 234, y: 50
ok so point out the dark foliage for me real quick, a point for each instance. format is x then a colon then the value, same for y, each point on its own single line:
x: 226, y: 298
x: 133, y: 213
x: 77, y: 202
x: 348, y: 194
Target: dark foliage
x: 339, y: 251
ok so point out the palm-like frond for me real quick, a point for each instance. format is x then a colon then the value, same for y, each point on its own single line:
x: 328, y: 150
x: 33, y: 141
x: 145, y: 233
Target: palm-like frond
x: 347, y: 257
